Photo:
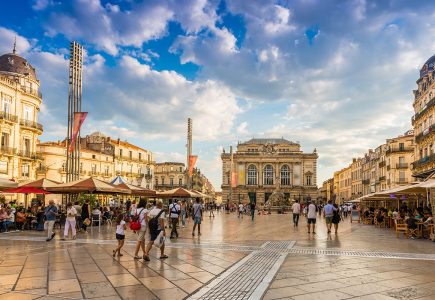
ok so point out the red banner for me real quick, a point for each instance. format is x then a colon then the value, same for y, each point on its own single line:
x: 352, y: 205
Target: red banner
x: 79, y: 118
x: 234, y: 179
x: 192, y: 162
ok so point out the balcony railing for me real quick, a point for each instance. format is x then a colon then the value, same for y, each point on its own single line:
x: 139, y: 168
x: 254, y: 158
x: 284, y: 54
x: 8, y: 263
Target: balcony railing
x: 41, y: 169
x: 29, y: 155
x: 7, y: 150
x: 402, y: 166
x: 424, y: 160
x: 366, y: 181
x: 172, y: 186
x: 31, y: 124
x: 382, y: 164
x: 8, y: 117
x: 419, y: 137
x: 388, y: 168
x: 402, y: 180
x: 34, y: 92
x: 423, y: 110
x: 382, y: 178
x: 400, y: 149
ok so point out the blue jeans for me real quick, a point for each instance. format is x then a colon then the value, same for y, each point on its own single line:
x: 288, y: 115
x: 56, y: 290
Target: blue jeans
x: 6, y: 225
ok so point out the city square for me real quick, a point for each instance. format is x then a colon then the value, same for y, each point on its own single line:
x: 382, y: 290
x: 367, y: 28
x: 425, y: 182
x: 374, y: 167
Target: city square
x: 217, y: 149
x: 360, y: 262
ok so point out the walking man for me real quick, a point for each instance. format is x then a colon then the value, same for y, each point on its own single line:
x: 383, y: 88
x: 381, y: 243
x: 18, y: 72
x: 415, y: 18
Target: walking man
x: 197, y: 216
x: 312, y: 214
x: 50, y: 213
x: 328, y: 212
x: 252, y: 206
x: 241, y: 208
x: 174, y: 212
x: 296, y: 212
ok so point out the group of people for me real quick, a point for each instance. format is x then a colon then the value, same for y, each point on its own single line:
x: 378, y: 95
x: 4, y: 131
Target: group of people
x: 330, y: 211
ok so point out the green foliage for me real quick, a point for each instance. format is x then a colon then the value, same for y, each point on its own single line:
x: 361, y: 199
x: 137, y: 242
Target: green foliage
x: 93, y: 201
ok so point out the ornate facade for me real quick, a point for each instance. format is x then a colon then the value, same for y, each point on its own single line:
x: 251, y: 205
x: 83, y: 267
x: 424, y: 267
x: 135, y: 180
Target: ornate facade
x: 423, y: 121
x: 20, y: 101
x: 169, y: 175
x: 100, y: 157
x: 261, y: 166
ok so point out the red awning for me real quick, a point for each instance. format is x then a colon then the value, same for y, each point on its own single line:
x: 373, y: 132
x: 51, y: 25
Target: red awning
x: 26, y: 190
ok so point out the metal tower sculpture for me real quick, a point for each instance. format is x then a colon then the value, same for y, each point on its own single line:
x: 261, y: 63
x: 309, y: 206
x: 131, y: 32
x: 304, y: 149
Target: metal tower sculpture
x: 74, y: 106
x: 189, y: 152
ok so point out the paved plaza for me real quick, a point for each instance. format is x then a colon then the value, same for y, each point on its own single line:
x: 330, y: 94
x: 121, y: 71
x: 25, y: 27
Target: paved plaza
x: 233, y: 259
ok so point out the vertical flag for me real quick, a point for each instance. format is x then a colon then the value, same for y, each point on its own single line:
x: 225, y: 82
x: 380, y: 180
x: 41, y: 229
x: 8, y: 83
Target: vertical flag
x: 79, y: 118
x: 233, y: 179
x: 192, y: 162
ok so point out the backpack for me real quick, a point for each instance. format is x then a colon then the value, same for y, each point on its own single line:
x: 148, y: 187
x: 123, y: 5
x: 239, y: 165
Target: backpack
x: 135, y: 223
x: 153, y: 224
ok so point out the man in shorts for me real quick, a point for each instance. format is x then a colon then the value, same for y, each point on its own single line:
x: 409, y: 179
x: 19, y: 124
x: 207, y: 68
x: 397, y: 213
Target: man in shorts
x: 197, y: 216
x: 159, y: 214
x: 312, y: 214
x: 328, y: 212
x: 296, y: 208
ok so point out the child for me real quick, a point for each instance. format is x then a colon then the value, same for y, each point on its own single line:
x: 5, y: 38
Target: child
x: 120, y: 234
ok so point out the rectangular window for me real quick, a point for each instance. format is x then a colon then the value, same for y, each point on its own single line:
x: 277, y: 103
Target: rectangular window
x: 25, y: 170
x: 94, y: 169
x: 308, y: 179
x: 130, y: 154
x: 120, y: 152
x: 28, y: 113
x: 6, y: 105
x: 401, y: 146
x: 26, y: 146
x: 140, y: 156
x: 4, y: 167
x: 401, y: 160
x: 401, y: 176
x: 171, y: 181
x: 157, y: 181
x: 180, y: 181
x: 5, y: 140
x: 163, y: 180
x: 106, y: 171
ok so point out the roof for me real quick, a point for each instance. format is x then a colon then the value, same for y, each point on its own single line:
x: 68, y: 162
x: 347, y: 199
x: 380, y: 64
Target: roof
x: 429, y: 65
x: 127, y: 145
x: 274, y: 141
x: 15, y: 64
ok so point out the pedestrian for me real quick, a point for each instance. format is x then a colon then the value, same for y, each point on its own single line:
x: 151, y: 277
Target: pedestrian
x: 141, y: 216
x: 132, y: 209
x: 70, y: 221
x: 50, y: 213
x: 336, y: 217
x: 252, y: 210
x: 86, y: 213
x: 156, y: 224
x: 197, y: 216
x: 78, y: 215
x: 311, y: 214
x: 183, y: 213
x: 241, y: 208
x: 120, y: 234
x: 328, y: 212
x: 211, y: 207
x: 174, y: 214
x: 296, y: 208
x: 345, y: 207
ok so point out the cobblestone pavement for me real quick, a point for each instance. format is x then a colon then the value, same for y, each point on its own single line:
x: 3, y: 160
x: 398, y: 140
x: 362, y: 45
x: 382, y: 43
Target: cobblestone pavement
x: 233, y: 259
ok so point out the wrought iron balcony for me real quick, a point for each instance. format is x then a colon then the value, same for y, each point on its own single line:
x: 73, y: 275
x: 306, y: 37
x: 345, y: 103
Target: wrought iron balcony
x: 7, y: 150
x: 402, y: 166
x: 33, y: 92
x: 424, y: 160
x: 31, y: 124
x: 382, y: 164
x: 366, y: 181
x: 402, y: 180
x: 423, y: 110
x: 8, y: 117
x: 400, y: 149
x: 382, y: 178
x: 29, y: 155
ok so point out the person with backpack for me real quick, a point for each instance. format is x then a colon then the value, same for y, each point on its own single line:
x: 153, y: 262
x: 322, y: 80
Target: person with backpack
x: 156, y: 227
x: 140, y: 216
x: 174, y: 212
x: 197, y: 216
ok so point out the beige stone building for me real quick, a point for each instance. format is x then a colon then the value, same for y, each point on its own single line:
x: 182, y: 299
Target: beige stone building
x: 423, y: 121
x: 344, y: 185
x: 100, y: 157
x: 399, y: 156
x: 356, y: 178
x: 20, y: 102
x: 261, y: 166
x: 169, y: 175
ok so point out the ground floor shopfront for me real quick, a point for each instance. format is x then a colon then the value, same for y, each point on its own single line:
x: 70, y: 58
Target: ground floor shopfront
x: 261, y: 195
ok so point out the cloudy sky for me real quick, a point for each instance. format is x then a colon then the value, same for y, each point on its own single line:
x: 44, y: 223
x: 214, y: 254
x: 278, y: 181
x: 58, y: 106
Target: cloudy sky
x: 333, y: 75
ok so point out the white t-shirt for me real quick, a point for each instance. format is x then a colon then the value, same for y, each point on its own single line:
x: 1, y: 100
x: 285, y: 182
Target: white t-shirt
x: 174, y: 207
x: 296, y: 208
x: 240, y: 207
x: 133, y: 209
x: 71, y: 214
x: 312, y: 211
x: 197, y: 210
x: 154, y: 212
x: 141, y: 212
x: 120, y: 228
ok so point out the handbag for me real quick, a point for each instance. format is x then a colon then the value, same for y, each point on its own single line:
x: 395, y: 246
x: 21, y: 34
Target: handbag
x: 87, y: 222
x: 160, y: 240
x: 135, y: 223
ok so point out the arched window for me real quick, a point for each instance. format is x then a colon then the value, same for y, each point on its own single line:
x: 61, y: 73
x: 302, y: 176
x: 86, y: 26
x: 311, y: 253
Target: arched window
x: 268, y: 175
x: 252, y: 175
x: 285, y: 175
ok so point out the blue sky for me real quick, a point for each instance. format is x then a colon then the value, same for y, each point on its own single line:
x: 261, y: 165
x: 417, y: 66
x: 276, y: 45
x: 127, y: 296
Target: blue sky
x: 333, y: 75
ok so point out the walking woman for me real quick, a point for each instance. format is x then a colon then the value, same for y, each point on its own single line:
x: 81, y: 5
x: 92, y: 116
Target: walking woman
x: 86, y: 214
x: 141, y: 213
x: 336, y: 217
x: 70, y: 221
x: 183, y: 213
x: 120, y: 234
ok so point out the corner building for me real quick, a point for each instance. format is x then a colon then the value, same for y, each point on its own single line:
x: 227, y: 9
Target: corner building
x: 423, y: 121
x: 20, y: 101
x: 260, y: 166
